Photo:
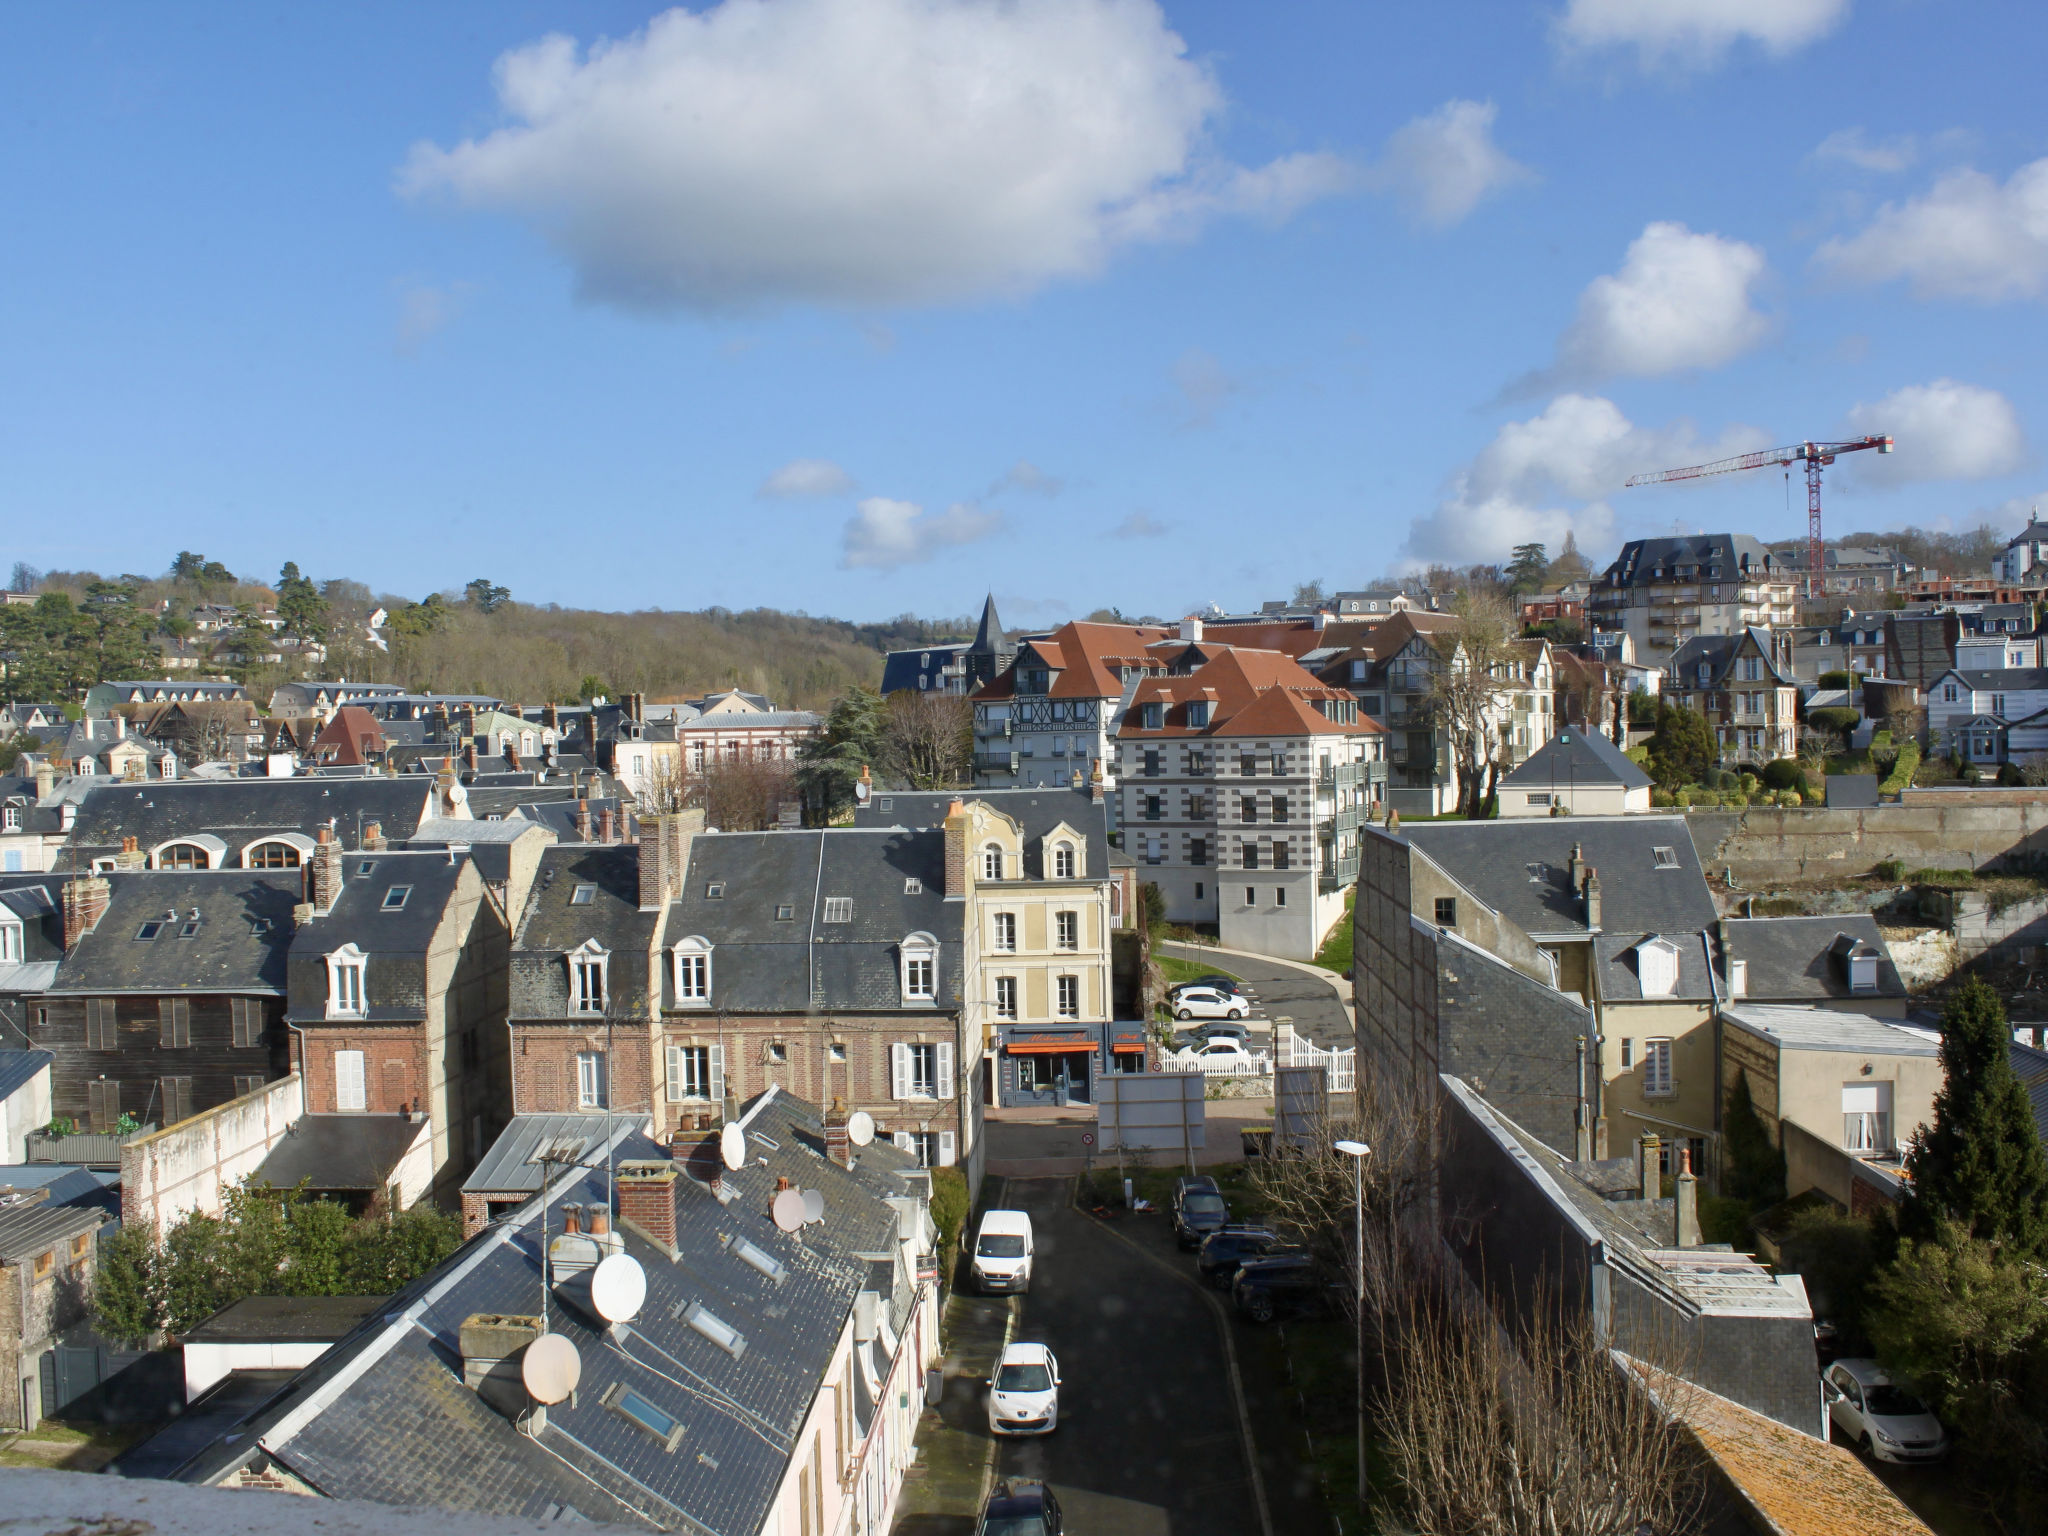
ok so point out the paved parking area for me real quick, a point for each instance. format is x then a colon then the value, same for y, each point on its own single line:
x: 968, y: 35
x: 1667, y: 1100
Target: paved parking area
x: 1310, y: 998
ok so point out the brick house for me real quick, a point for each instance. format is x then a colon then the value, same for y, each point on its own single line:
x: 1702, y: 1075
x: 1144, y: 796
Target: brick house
x: 398, y: 995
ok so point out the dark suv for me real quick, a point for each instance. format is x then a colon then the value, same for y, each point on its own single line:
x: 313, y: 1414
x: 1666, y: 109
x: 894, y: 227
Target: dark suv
x: 1198, y: 1210
x: 1020, y: 1506
x: 1222, y: 1251
x: 1278, y: 1287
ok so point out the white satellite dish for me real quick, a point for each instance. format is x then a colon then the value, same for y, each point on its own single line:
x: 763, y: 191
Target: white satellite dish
x: 550, y: 1368
x: 732, y: 1147
x: 814, y: 1206
x: 617, y: 1287
x: 788, y: 1209
x: 860, y: 1127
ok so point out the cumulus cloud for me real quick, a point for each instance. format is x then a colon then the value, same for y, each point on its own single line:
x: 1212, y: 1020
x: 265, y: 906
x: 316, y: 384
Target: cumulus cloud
x: 1967, y: 238
x: 1552, y: 474
x: 1139, y: 525
x: 859, y: 152
x: 1848, y: 146
x: 1441, y: 165
x: 1945, y: 431
x: 1028, y: 478
x: 884, y: 534
x: 1697, y: 34
x: 807, y: 477
x: 1681, y: 300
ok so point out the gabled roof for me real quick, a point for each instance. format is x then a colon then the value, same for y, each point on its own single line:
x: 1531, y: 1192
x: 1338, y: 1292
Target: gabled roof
x: 352, y: 736
x: 243, y: 811
x: 1998, y: 679
x: 1720, y: 653
x: 237, y: 941
x: 1036, y: 811
x: 1794, y: 959
x: 1084, y: 656
x: 1574, y: 757
x: 1251, y: 693
x: 395, y: 939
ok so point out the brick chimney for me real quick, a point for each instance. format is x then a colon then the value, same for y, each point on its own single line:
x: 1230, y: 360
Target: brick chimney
x: 85, y: 903
x: 582, y: 820
x: 511, y: 755
x: 838, y: 1145
x: 469, y: 756
x: 130, y: 856
x: 656, y: 883
x: 957, y: 830
x: 46, y: 781
x: 1592, y: 897
x: 1095, y: 789
x: 324, y: 877
x: 680, y: 832
x: 607, y: 825
x: 647, y: 1199
x: 1649, y: 1152
x: 1688, y: 1203
x: 373, y: 836
x: 551, y: 717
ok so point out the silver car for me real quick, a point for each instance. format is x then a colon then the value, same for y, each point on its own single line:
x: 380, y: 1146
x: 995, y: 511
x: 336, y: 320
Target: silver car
x: 1879, y: 1417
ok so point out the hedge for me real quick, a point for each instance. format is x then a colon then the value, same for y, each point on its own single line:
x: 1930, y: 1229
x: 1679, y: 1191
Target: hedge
x: 1902, y: 770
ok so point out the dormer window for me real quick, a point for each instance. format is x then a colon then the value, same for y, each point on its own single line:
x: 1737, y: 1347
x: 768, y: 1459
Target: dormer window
x: 13, y: 818
x: 693, y: 972
x: 1063, y: 861
x: 587, y: 978
x: 346, y: 968
x: 920, y: 961
x: 992, y: 862
x: 1154, y: 715
x: 1657, y: 967
x: 1198, y: 714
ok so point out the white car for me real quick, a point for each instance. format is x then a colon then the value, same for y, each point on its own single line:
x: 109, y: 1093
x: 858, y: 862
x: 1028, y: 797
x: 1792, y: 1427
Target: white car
x: 1003, y: 1251
x: 1208, y: 1003
x: 1225, y: 1056
x: 1879, y: 1417
x: 1024, y: 1393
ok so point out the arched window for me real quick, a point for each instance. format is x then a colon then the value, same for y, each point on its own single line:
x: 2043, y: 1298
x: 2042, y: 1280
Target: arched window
x: 183, y: 856
x: 992, y: 862
x: 270, y: 855
x: 693, y: 972
x: 1063, y: 861
x: 919, y: 954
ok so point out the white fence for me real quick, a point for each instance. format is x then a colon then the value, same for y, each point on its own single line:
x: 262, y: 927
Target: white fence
x: 1342, y: 1066
x: 1259, y: 1064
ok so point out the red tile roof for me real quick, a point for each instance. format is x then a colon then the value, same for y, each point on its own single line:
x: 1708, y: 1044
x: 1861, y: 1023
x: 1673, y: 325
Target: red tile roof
x: 1083, y: 659
x: 349, y: 738
x: 1254, y: 693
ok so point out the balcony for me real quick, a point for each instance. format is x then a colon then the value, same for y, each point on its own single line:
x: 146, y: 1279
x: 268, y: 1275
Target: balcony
x: 1329, y: 775
x: 1335, y: 877
x: 995, y: 762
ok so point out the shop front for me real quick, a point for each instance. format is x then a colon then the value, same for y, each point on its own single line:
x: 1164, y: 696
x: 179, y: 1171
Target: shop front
x: 1048, y: 1066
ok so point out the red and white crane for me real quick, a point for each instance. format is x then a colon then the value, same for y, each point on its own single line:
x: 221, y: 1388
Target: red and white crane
x: 1815, y: 455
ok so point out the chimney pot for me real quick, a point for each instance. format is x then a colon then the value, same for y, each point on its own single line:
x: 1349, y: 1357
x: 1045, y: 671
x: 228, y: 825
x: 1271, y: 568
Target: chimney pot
x: 838, y: 1145
x: 781, y: 1182
x: 572, y: 1217
x: 600, y: 1220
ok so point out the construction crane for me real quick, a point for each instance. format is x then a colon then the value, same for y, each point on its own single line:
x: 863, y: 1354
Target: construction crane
x: 1815, y: 455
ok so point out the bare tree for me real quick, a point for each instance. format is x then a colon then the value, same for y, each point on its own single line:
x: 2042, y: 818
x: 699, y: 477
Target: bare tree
x: 1471, y: 683
x: 743, y: 794
x: 928, y: 738
x: 666, y: 787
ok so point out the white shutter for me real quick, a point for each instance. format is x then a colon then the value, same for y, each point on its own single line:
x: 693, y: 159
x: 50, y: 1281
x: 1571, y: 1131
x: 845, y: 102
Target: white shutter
x: 718, y: 1072
x: 899, y: 1071
x: 945, y: 1149
x: 902, y: 1139
x: 945, y: 1076
x: 675, y: 1073
x: 348, y: 1080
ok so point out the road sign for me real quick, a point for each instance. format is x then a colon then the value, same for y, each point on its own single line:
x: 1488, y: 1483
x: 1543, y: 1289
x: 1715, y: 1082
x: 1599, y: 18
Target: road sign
x: 1087, y: 1138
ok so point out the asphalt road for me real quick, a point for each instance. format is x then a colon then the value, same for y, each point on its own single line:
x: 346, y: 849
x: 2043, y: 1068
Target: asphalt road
x: 1149, y: 1441
x: 1279, y: 991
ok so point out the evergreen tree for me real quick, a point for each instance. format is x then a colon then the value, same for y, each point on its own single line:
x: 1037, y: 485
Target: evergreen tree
x: 1682, y: 750
x: 1980, y: 1165
x: 1570, y: 565
x: 830, y: 765
x: 1755, y: 1166
x: 1526, y: 571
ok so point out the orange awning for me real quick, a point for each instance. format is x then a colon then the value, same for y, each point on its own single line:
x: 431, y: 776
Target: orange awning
x: 1049, y: 1047
x: 1133, y: 1049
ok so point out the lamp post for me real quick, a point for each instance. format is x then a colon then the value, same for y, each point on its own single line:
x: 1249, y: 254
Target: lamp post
x: 1358, y: 1151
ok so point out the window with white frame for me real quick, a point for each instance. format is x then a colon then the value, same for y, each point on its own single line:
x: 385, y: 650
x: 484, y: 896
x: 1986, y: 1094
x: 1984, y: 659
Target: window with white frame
x: 992, y: 862
x: 1657, y: 1081
x: 921, y: 1070
x: 1069, y: 995
x: 10, y: 943
x: 1006, y: 933
x: 345, y: 982
x: 1006, y: 997
x: 1867, y: 1117
x: 696, y: 1072
x: 1063, y: 861
x: 1066, y: 928
x: 920, y: 968
x: 693, y: 973
x: 590, y: 1080
x: 586, y: 979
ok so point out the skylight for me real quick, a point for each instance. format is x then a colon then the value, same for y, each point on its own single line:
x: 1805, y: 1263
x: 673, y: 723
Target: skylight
x: 637, y: 1410
x: 785, y: 913
x: 716, y: 1329
x: 838, y: 909
x: 583, y: 896
x: 1664, y: 858
x: 394, y: 899
x: 366, y: 866
x: 715, y: 891
x: 148, y: 931
x: 756, y: 1257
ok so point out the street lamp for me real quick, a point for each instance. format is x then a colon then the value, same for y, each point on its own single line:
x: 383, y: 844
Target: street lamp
x: 1358, y: 1151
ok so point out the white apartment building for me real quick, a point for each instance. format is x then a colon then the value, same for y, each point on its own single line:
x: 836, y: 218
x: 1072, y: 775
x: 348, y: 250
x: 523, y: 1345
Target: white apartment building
x: 1051, y: 714
x: 1664, y: 592
x: 1241, y: 788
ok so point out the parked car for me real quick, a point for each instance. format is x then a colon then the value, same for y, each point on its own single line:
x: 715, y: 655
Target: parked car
x: 1879, y: 1417
x: 1228, y: 984
x: 1208, y: 1003
x: 1198, y: 1210
x: 1020, y: 1506
x: 1224, y: 1056
x: 1279, y: 1286
x: 1024, y: 1392
x: 1221, y: 1029
x: 1222, y: 1251
x: 1003, y: 1251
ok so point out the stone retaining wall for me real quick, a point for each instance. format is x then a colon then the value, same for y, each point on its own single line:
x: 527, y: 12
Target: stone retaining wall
x: 1764, y: 846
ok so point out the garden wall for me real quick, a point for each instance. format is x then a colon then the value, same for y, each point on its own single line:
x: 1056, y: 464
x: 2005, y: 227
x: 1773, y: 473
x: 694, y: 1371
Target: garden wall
x: 1764, y: 846
x: 186, y: 1166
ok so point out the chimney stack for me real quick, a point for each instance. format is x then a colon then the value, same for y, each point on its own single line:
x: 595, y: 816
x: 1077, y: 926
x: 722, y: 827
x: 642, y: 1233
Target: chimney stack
x: 511, y: 755
x: 1191, y: 630
x: 551, y: 717
x: 1649, y: 1153
x: 1577, y: 866
x: 85, y: 903
x: 491, y: 1345
x: 130, y: 856
x: 957, y: 829
x: 582, y: 820
x: 655, y: 881
x: 647, y: 1199
x: 838, y: 1145
x: 1592, y: 897
x: 1688, y: 1213
x: 373, y: 836
x: 607, y: 825
x: 1095, y: 789
x: 325, y: 875
x: 469, y: 756
x: 46, y: 781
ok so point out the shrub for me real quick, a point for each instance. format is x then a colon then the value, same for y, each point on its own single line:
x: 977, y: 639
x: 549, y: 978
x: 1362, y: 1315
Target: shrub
x: 1784, y: 773
x: 1903, y: 768
x: 1837, y: 719
x: 1724, y: 1220
x: 1832, y: 680
x: 1662, y: 799
x: 1727, y: 780
x: 1891, y: 871
x: 1791, y: 799
x: 950, y: 1205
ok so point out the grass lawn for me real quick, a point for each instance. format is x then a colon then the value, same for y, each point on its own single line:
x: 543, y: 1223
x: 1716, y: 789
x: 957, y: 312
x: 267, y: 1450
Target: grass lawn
x: 1335, y: 955
x: 82, y: 1448
x: 1177, y: 971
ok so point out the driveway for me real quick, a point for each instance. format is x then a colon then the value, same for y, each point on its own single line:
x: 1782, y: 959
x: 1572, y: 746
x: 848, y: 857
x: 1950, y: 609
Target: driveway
x: 1282, y: 991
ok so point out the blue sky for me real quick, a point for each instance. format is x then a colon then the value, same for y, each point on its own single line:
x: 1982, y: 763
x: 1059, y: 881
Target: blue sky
x: 866, y: 306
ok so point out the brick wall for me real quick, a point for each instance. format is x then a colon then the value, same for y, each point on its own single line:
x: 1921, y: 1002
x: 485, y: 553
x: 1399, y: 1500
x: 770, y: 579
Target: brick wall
x: 394, y: 1066
x: 544, y: 1067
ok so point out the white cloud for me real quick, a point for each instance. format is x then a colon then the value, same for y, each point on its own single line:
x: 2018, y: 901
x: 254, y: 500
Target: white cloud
x: 859, y: 151
x: 424, y: 310
x: 1697, y: 33
x: 1442, y: 164
x: 1681, y: 300
x: 1945, y: 431
x: 1028, y: 478
x: 1551, y: 474
x: 1140, y: 525
x: 884, y: 534
x: 1968, y: 238
x: 807, y: 477
x: 1887, y: 156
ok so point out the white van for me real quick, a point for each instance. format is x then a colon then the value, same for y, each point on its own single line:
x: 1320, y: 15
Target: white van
x: 1002, y: 1252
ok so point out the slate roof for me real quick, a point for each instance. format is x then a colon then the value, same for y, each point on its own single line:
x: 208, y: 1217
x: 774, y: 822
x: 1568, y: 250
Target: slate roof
x: 395, y: 941
x: 27, y: 1230
x: 33, y: 898
x: 340, y: 1151
x: 19, y: 1068
x: 1620, y: 979
x: 242, y: 935
x: 1827, y: 1029
x: 553, y: 925
x: 1521, y: 868
x: 2031, y: 1067
x: 241, y: 811
x: 1036, y: 812
x: 384, y: 1415
x: 68, y: 1184
x: 1791, y: 958
x: 1999, y: 679
x: 1720, y: 652
x: 558, y: 815
x: 1574, y: 757
x: 285, y: 1319
x: 509, y: 1166
x: 764, y: 963
x: 1732, y: 552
